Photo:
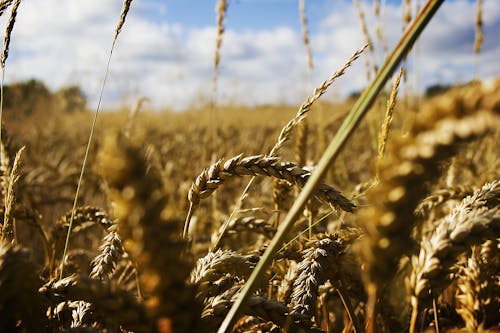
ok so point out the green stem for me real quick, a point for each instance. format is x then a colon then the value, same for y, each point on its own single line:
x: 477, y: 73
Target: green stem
x: 348, y: 126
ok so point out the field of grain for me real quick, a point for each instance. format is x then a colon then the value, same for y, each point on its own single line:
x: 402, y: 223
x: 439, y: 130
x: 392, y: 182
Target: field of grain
x: 206, y: 220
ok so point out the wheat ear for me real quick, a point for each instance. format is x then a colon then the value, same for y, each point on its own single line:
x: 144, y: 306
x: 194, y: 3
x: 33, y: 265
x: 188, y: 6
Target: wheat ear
x: 261, y: 307
x: 111, y: 252
x: 7, y: 229
x: 470, y: 223
x: 210, y: 179
x: 114, y: 305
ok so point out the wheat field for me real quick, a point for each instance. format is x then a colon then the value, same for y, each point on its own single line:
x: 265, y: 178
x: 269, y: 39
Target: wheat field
x: 206, y: 220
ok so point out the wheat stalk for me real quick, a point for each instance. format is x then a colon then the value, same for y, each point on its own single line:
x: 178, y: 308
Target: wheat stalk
x: 6, y: 46
x: 305, y: 34
x: 478, y: 39
x: 121, y: 22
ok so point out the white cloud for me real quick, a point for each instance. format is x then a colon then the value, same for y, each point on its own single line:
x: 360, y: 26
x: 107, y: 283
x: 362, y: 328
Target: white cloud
x: 67, y: 42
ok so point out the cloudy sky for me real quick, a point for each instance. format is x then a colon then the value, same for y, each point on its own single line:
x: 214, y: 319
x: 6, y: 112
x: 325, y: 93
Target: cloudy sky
x: 166, y: 49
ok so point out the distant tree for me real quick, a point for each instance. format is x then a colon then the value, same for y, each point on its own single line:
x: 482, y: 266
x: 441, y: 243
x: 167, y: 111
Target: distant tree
x: 26, y: 97
x: 436, y: 89
x: 71, y: 99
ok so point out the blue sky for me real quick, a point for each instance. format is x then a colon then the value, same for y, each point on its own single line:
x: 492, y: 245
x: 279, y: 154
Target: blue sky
x: 165, y: 51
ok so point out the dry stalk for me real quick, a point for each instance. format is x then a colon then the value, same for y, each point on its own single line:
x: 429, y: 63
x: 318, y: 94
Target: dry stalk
x: 379, y: 30
x: 366, y: 34
x: 474, y: 221
x: 305, y: 34
x: 478, y: 39
x: 221, y: 10
x: 6, y: 45
x: 123, y: 15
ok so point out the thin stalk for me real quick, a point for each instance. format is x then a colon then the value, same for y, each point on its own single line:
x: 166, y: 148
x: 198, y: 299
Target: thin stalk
x: 436, y: 320
x: 350, y: 310
x: 359, y: 109
x: 85, y: 158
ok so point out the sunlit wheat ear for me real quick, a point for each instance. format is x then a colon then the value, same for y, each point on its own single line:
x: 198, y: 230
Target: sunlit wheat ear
x: 415, y: 159
x: 111, y: 252
x: 386, y: 125
x: 213, y: 177
x: 123, y: 16
x: 470, y: 223
x: 477, y: 293
x: 305, y: 107
x: 8, y: 229
x: 287, y: 130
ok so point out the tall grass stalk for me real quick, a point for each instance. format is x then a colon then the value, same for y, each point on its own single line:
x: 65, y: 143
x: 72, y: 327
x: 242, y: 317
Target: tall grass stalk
x: 358, y: 111
x: 6, y: 46
x: 125, y: 9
